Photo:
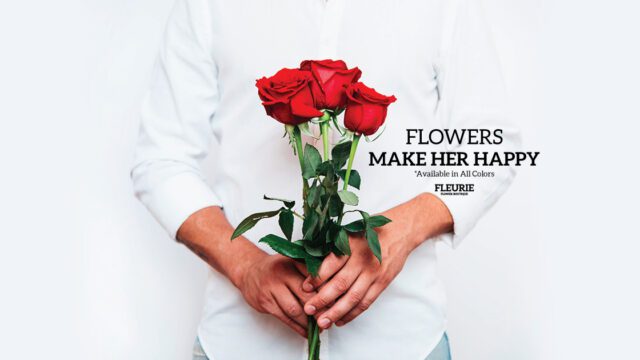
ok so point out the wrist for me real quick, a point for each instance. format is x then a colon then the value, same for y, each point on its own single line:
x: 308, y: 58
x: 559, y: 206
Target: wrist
x: 398, y: 236
x: 416, y: 221
x: 246, y: 258
x: 434, y: 215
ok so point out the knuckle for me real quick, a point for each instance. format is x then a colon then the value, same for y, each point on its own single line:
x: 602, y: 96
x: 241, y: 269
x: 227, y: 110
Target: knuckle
x: 292, y: 310
x: 364, y: 304
x: 340, y: 284
x: 355, y: 296
x: 384, y: 279
x: 322, y: 301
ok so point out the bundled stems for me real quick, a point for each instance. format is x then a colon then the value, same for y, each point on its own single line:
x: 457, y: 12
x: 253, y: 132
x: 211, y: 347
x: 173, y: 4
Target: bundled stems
x: 313, y: 332
x: 313, y: 338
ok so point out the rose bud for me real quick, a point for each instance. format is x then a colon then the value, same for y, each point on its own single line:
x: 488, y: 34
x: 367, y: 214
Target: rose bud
x: 332, y: 78
x: 366, y: 109
x: 287, y: 97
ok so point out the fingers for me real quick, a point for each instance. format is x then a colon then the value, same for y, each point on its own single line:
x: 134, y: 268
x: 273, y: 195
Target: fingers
x: 290, y: 306
x: 294, y: 283
x: 301, y: 267
x: 346, y: 303
x: 330, y: 265
x: 372, y: 294
x: 334, y: 288
x: 280, y: 315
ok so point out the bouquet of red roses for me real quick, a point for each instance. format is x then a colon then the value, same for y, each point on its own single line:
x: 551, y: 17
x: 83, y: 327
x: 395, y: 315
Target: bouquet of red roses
x: 317, y: 93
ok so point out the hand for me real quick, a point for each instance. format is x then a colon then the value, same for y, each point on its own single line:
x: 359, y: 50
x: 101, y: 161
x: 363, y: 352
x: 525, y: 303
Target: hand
x: 273, y: 286
x: 355, y: 282
x: 269, y: 283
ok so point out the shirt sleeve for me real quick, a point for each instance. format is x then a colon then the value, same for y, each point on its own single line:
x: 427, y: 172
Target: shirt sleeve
x: 176, y: 133
x: 472, y: 96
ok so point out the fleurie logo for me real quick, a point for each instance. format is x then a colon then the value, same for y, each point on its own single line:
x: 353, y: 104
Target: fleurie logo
x: 454, y: 189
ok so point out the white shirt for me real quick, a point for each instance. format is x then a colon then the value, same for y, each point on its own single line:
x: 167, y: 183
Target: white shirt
x: 435, y: 56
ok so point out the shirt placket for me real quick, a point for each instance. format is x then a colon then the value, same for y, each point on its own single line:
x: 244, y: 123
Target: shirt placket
x: 330, y: 28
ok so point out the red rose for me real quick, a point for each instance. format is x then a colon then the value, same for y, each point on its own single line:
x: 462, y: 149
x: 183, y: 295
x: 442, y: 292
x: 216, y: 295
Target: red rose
x: 366, y: 109
x: 332, y: 78
x: 287, y: 96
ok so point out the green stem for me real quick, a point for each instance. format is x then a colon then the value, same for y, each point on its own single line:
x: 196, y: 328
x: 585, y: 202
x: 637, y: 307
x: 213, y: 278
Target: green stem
x: 297, y: 138
x: 352, y: 154
x: 324, y: 130
x: 313, y: 338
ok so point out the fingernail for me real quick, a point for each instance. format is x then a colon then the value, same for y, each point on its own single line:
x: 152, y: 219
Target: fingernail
x: 339, y: 323
x: 324, y: 323
x: 310, y: 309
x: 307, y: 287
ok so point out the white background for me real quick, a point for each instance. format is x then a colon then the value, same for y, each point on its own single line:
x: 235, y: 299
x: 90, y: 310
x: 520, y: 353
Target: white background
x: 86, y: 273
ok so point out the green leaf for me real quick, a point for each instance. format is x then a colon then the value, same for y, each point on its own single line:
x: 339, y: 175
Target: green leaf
x: 312, y: 160
x: 284, y: 247
x: 285, y: 220
x: 335, y: 206
x: 332, y: 231
x: 313, y: 264
x: 309, y: 225
x: 371, y: 222
x: 324, y: 168
x: 348, y: 197
x: 340, y: 154
x: 342, y: 242
x: 314, y: 195
x: 313, y: 250
x: 377, y: 221
x: 329, y: 182
x: 374, y: 244
x: 354, y: 227
x: 251, y: 221
x: 287, y: 203
x: 354, y: 177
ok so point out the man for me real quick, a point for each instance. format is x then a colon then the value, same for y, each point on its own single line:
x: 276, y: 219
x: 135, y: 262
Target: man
x: 435, y: 56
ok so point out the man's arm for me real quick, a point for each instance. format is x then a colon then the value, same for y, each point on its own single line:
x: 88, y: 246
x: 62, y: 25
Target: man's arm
x: 355, y: 282
x: 472, y: 96
x: 175, y: 136
x: 207, y: 233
